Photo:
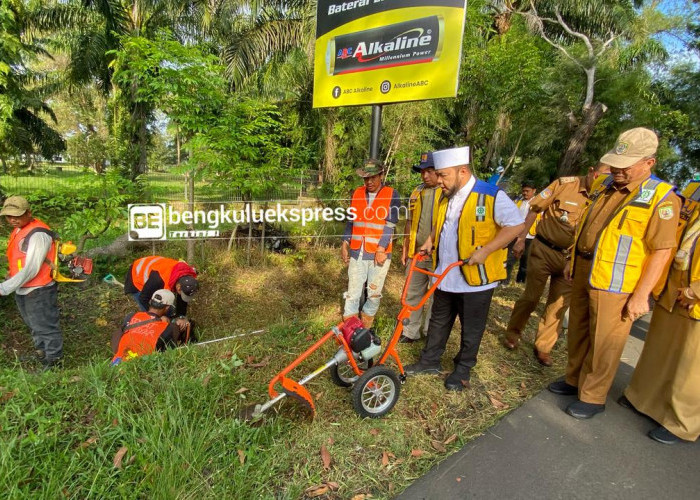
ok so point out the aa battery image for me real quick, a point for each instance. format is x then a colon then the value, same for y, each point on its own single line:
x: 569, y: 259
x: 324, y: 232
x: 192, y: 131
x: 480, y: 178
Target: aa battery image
x: 410, y: 42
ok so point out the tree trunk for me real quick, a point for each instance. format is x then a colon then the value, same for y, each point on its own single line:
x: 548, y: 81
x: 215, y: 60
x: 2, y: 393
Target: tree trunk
x: 190, y: 206
x: 569, y: 159
x: 262, y: 235
x: 250, y: 232
x: 329, y: 151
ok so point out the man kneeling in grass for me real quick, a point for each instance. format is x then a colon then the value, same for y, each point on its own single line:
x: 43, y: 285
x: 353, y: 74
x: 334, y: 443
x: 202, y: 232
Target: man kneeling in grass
x: 145, y: 332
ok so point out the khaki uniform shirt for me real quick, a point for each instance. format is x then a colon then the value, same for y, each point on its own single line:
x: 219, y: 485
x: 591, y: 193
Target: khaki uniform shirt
x: 661, y: 233
x: 562, y: 204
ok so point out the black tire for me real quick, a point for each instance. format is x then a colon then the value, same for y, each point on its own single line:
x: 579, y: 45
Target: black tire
x: 376, y: 392
x: 343, y: 376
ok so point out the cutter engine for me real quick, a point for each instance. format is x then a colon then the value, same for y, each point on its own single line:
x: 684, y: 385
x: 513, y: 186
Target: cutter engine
x: 363, y: 341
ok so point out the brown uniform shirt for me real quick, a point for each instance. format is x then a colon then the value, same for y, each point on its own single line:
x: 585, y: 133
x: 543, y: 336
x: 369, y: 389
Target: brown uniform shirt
x: 661, y: 233
x: 562, y: 204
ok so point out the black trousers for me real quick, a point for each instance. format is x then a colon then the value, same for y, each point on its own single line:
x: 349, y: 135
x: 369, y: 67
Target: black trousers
x: 510, y: 262
x: 39, y: 310
x: 473, y: 310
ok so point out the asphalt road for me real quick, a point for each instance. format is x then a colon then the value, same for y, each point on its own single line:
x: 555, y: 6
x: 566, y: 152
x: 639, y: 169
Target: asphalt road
x: 538, y: 451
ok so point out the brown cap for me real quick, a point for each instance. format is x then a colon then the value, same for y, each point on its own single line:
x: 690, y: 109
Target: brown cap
x: 631, y: 146
x: 15, y: 206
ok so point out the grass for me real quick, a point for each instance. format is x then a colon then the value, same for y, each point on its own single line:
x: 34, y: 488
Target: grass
x: 175, y: 416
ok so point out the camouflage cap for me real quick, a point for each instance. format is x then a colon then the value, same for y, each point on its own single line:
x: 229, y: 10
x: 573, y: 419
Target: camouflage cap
x: 371, y: 168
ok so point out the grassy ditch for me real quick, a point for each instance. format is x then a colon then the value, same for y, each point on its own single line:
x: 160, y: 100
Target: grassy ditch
x: 167, y: 425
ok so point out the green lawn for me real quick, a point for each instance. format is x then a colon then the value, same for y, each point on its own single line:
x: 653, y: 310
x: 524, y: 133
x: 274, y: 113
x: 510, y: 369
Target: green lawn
x: 167, y: 426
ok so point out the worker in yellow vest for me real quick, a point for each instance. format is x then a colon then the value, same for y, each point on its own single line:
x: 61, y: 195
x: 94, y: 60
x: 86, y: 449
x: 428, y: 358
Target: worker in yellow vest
x: 527, y: 194
x: 475, y: 222
x: 422, y: 205
x: 560, y: 207
x: 666, y: 379
x: 622, y: 245
x: 30, y: 278
x: 367, y: 242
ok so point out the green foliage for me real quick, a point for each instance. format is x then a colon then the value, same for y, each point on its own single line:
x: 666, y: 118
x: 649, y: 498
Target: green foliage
x: 23, y: 92
x: 110, y: 206
x: 241, y: 149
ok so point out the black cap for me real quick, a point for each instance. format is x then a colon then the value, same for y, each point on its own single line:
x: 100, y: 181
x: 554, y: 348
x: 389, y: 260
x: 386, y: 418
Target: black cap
x: 188, y: 286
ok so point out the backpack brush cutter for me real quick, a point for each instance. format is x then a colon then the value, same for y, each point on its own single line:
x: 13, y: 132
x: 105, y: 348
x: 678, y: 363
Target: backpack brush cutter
x: 375, y: 385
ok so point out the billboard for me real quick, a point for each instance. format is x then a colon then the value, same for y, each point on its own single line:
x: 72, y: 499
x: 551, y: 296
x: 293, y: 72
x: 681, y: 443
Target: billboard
x: 382, y: 51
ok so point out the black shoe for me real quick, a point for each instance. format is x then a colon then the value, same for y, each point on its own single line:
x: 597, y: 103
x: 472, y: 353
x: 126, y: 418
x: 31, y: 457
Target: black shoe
x: 561, y: 387
x: 406, y: 340
x: 581, y: 410
x: 458, y: 380
x: 52, y: 364
x: 417, y: 368
x: 663, y: 435
x: 625, y: 403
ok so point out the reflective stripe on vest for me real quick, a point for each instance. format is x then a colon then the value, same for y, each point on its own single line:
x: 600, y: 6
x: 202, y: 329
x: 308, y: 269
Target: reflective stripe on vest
x: 694, y: 269
x: 621, y: 252
x: 368, y: 227
x: 142, y: 269
x: 16, y: 256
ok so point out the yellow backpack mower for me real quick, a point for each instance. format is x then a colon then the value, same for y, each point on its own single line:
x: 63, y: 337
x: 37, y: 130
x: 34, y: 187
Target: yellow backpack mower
x: 79, y: 268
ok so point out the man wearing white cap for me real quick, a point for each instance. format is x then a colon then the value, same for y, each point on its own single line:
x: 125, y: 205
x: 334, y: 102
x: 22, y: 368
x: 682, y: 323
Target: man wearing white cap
x: 623, y: 243
x: 474, y: 223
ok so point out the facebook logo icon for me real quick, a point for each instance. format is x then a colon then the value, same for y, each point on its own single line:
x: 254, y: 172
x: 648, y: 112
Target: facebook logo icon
x: 147, y: 222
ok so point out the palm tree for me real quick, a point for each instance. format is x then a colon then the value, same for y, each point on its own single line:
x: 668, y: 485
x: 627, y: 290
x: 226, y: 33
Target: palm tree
x: 90, y: 31
x: 23, y: 92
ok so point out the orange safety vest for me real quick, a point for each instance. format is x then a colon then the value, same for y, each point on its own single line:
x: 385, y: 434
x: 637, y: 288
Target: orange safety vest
x: 369, y: 225
x: 140, y: 336
x: 143, y: 267
x: 17, y: 252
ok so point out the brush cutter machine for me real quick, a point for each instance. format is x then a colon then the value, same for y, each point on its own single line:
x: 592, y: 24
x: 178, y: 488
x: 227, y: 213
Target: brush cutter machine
x: 375, y: 385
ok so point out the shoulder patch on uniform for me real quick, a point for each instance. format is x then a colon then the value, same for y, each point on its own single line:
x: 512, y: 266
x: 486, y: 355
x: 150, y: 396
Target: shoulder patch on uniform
x: 666, y: 211
x: 566, y: 180
x: 545, y: 193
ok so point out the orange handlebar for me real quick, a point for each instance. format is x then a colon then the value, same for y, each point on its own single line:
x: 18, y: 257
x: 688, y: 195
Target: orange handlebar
x: 439, y: 277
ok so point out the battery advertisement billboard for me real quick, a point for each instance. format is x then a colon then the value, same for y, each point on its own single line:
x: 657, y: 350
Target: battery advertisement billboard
x: 383, y: 51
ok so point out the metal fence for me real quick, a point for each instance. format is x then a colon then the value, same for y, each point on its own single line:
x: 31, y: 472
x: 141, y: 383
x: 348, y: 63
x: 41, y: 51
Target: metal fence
x: 52, y: 179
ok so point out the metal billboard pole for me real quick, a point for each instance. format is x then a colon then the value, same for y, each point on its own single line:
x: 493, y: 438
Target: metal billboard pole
x: 376, y: 132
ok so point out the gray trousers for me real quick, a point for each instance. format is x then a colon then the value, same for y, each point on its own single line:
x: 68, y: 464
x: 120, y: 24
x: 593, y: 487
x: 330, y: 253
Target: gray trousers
x: 420, y: 283
x: 39, y: 310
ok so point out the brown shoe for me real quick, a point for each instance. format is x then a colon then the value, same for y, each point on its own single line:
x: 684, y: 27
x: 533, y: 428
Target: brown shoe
x: 543, y: 357
x: 511, y: 341
x: 367, y: 321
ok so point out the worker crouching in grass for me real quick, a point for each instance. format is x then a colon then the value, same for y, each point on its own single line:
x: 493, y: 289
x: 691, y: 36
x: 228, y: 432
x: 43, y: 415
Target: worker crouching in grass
x: 30, y: 278
x: 148, y: 274
x: 146, y: 332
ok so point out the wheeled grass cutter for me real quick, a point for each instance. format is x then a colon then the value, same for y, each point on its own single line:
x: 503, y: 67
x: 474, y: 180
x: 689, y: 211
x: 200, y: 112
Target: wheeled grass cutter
x: 375, y: 385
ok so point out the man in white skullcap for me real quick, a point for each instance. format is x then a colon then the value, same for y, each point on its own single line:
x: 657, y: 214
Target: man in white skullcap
x: 475, y: 222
